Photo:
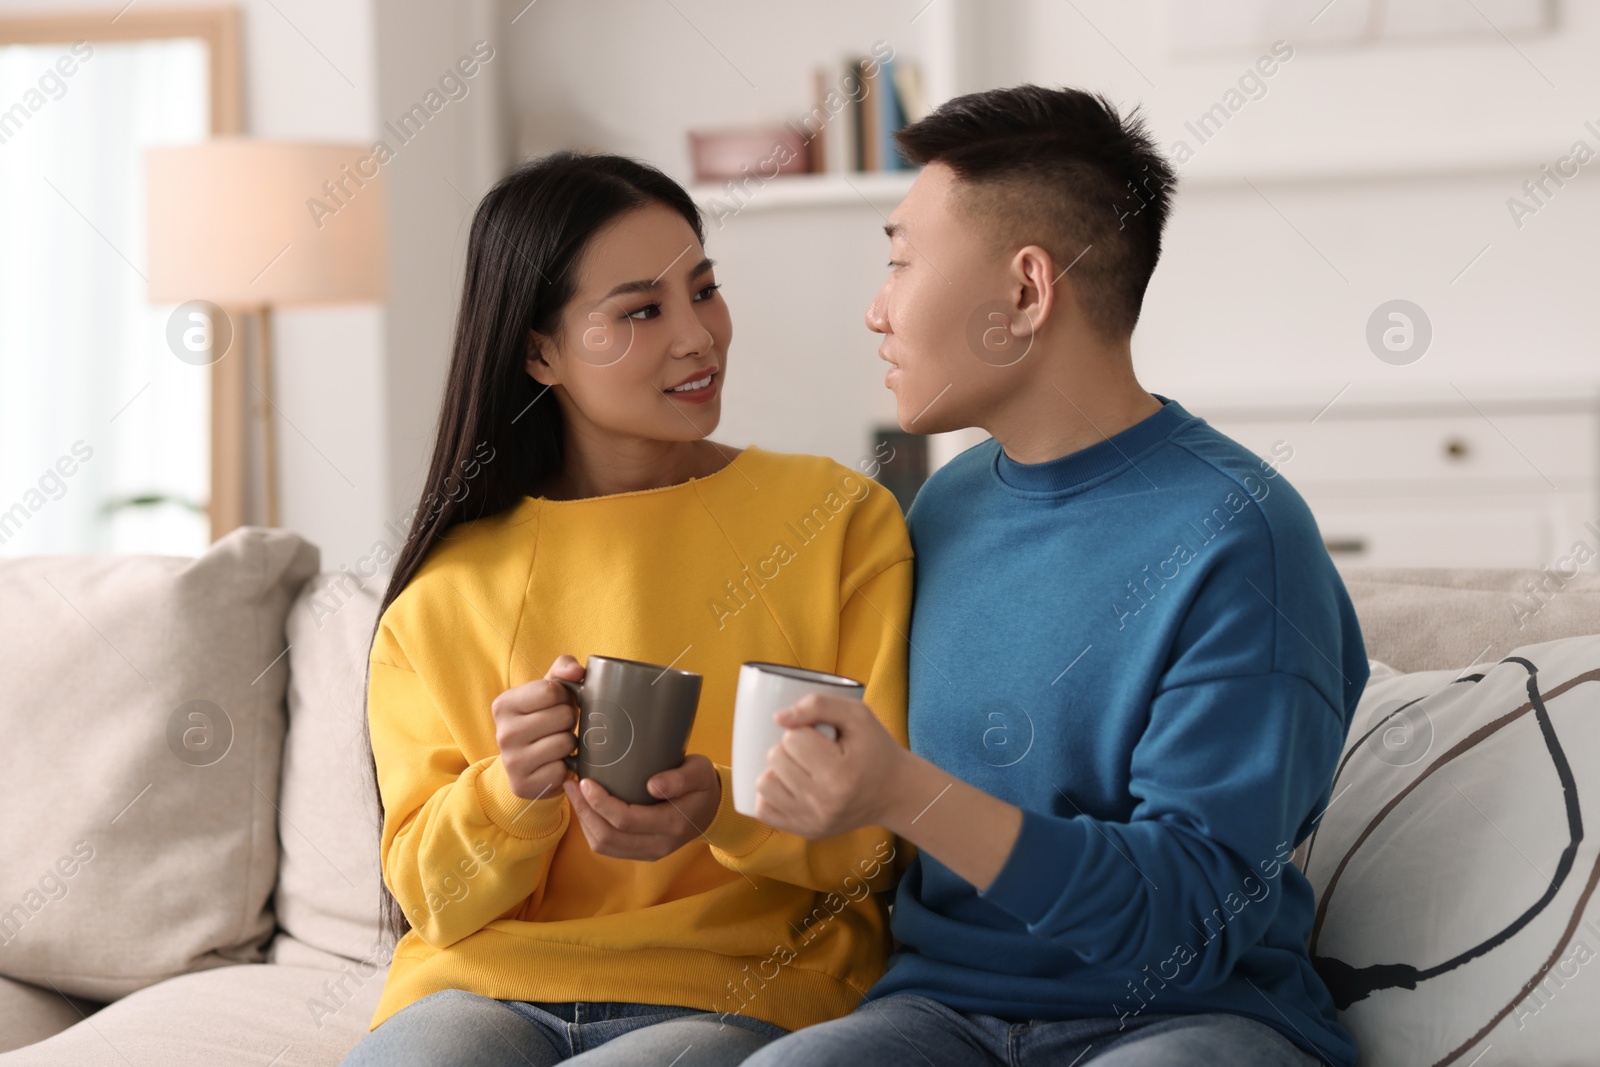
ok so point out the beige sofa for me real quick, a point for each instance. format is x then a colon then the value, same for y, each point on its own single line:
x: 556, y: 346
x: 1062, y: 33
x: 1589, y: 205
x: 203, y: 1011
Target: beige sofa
x: 228, y: 910
x: 226, y: 913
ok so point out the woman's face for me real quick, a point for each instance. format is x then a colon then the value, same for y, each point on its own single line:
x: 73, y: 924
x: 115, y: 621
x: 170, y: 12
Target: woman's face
x: 646, y: 317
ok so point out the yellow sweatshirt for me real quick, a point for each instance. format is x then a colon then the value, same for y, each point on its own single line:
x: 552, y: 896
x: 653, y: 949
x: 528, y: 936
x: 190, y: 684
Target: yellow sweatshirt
x: 787, y: 558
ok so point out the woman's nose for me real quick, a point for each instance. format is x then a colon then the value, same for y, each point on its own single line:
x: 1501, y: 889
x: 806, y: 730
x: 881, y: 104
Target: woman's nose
x: 693, y: 338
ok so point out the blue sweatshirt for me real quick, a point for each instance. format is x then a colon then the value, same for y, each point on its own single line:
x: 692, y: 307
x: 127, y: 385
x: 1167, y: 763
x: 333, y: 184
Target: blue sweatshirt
x: 1145, y: 647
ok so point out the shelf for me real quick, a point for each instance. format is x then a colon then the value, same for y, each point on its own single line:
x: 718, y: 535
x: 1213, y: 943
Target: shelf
x: 876, y: 189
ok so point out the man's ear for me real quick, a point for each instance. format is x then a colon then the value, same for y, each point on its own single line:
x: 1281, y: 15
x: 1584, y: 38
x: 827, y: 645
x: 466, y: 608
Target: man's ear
x: 538, y: 366
x: 1035, y: 282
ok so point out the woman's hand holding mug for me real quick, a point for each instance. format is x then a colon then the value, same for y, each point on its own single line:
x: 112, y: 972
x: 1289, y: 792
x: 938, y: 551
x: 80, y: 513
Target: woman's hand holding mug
x: 649, y: 831
x: 533, y: 725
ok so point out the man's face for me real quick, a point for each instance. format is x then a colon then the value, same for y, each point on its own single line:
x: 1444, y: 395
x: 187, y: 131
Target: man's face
x: 952, y: 349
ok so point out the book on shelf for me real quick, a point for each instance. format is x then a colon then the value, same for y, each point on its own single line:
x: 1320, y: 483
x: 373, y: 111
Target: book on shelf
x: 869, y: 131
x: 908, y: 86
x: 822, y: 145
x: 858, y: 106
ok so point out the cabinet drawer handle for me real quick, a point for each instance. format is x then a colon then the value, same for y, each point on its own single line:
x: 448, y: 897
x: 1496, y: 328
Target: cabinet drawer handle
x: 1350, y: 546
x: 1456, y: 449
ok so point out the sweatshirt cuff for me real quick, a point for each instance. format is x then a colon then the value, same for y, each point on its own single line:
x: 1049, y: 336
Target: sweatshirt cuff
x: 1036, y: 873
x: 737, y: 835
x: 517, y: 816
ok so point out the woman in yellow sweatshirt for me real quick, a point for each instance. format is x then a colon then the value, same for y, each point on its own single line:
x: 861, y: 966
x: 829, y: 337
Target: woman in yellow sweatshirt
x: 575, y: 505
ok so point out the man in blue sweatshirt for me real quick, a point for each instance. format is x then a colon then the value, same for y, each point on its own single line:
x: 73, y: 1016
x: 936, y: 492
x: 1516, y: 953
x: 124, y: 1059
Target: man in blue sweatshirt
x: 1132, y: 664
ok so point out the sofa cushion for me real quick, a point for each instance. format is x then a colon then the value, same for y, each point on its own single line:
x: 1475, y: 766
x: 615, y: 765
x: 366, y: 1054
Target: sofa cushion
x: 140, y: 832
x: 246, y: 1016
x: 329, y: 876
x: 1423, y: 619
x: 1454, y: 879
x: 29, y: 1014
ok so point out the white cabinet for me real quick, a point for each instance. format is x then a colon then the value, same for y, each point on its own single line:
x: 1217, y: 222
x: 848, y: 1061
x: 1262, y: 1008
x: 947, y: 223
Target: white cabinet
x: 1444, y: 531
x: 1496, y: 481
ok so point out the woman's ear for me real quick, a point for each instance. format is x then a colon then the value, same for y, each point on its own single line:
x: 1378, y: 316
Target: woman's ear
x: 539, y: 368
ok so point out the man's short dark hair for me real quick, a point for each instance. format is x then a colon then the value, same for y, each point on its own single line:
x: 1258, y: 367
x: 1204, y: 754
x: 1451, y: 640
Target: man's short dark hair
x: 1060, y: 168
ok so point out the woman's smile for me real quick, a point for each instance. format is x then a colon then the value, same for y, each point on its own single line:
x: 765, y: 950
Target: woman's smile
x: 696, y: 390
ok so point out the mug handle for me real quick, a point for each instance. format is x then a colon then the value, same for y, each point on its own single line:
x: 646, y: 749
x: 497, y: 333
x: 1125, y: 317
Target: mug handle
x: 576, y: 688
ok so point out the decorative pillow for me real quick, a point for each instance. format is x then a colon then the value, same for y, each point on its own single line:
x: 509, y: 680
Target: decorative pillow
x: 143, y: 720
x: 329, y: 879
x: 1455, y: 878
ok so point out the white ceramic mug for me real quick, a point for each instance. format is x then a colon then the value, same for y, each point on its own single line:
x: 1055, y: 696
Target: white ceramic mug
x: 765, y: 689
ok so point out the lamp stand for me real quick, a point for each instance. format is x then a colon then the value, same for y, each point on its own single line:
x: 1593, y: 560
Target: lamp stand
x: 268, y: 412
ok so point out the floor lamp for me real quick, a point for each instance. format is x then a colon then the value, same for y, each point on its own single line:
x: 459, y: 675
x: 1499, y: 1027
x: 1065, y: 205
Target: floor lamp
x: 238, y: 227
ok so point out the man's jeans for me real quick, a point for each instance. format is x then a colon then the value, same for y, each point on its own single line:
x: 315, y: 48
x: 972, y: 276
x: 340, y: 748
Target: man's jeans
x: 454, y: 1028
x: 910, y: 1030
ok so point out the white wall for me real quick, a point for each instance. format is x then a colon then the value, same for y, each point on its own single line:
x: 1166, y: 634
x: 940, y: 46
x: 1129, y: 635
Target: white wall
x: 1243, y: 303
x: 804, y: 374
x: 1393, y: 163
x: 363, y: 384
x: 1415, y: 106
x: 631, y: 77
x: 435, y: 181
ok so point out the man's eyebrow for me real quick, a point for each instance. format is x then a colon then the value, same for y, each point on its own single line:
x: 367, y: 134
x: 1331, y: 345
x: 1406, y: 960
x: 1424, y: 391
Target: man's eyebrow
x: 651, y: 286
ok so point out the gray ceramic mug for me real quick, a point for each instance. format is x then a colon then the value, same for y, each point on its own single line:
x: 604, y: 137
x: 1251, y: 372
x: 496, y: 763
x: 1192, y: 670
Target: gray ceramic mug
x: 633, y: 723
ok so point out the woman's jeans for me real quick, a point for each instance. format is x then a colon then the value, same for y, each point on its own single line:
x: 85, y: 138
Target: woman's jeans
x: 454, y: 1028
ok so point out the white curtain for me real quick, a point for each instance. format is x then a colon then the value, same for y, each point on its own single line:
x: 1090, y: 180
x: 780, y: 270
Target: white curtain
x: 95, y: 409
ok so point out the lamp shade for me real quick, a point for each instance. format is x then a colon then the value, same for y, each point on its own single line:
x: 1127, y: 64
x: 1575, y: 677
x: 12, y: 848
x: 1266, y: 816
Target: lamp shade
x: 243, y: 222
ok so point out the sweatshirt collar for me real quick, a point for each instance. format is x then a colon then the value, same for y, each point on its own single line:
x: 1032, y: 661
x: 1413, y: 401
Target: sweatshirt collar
x: 1075, y: 469
x: 723, y: 473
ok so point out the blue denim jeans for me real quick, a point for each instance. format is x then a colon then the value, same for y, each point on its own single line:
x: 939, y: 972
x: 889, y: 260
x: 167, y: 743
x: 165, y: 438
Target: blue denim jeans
x: 454, y: 1028
x: 910, y: 1030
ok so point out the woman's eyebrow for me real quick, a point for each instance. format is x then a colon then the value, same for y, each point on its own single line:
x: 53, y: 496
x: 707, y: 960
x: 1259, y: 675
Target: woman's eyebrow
x: 655, y: 283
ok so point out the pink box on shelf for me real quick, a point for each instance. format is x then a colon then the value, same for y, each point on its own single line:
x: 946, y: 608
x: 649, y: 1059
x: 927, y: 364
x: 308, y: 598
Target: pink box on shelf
x: 765, y: 152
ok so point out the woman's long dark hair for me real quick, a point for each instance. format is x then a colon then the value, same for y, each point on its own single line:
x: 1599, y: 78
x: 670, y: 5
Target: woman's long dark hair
x: 528, y: 236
